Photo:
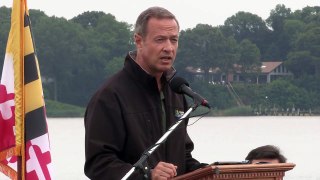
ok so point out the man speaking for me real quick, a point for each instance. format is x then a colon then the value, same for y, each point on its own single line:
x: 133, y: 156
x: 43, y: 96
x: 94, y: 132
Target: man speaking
x: 136, y: 106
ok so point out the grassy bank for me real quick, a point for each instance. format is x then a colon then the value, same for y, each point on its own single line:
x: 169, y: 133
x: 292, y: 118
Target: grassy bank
x: 234, y: 111
x: 57, y: 109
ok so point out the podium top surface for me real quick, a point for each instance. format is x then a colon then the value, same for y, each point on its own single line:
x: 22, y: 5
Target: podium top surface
x: 242, y: 168
x: 253, y: 167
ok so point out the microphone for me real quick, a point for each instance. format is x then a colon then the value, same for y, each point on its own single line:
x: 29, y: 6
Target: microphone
x: 181, y: 86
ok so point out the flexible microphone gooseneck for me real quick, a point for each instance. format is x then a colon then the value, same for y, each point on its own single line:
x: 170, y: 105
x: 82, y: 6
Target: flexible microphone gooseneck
x: 181, y: 86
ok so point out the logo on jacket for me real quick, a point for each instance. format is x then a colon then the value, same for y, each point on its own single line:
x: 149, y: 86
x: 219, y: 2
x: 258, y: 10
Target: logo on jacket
x: 178, y: 113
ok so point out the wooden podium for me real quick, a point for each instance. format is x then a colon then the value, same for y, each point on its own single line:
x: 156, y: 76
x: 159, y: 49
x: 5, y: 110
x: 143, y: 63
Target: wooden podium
x: 243, y: 171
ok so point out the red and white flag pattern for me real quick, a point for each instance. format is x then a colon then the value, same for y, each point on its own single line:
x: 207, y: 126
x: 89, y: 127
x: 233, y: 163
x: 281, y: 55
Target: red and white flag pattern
x: 24, y: 138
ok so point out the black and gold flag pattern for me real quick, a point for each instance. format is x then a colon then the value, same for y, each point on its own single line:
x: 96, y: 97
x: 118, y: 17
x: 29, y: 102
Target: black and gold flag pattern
x: 23, y: 119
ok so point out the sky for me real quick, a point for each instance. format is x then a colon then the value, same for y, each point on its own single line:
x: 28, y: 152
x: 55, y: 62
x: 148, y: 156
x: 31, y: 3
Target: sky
x: 189, y: 12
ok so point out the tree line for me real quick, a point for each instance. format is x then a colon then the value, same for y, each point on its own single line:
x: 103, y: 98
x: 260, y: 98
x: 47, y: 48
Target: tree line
x: 77, y: 55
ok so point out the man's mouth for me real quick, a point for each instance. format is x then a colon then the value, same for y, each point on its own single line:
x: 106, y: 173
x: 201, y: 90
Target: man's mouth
x: 166, y: 58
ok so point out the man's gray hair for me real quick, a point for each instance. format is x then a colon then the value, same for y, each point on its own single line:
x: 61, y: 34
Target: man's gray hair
x: 152, y: 12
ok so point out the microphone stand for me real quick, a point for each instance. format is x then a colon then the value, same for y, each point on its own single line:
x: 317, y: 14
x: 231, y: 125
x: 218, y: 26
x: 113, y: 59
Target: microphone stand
x: 141, y: 163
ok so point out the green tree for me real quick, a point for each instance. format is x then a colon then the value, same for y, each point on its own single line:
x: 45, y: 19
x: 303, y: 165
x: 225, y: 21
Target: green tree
x: 229, y: 56
x: 4, y: 32
x: 90, y: 19
x: 244, y: 25
x: 293, y: 28
x: 305, y: 59
x: 74, y: 56
x: 113, y: 66
x: 312, y: 85
x: 249, y: 58
x: 277, y: 17
x: 308, y: 15
x: 300, y: 63
x: 279, y: 44
x: 196, y: 48
x: 206, y: 47
x: 283, y: 94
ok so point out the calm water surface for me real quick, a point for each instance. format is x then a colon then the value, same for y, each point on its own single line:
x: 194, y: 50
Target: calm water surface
x: 215, y: 138
x: 231, y: 138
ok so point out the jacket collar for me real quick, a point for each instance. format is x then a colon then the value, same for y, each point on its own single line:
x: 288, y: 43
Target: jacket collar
x: 140, y: 75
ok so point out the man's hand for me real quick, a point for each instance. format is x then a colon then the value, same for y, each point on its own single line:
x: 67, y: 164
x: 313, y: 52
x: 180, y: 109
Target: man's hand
x: 164, y: 171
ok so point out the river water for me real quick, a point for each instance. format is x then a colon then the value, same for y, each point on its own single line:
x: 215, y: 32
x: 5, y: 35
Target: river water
x: 215, y: 138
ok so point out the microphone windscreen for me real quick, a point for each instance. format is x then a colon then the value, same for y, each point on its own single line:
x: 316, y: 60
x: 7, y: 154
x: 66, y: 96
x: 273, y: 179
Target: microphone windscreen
x: 176, y: 84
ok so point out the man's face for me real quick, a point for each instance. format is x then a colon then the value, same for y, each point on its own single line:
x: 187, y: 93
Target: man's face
x: 157, y: 50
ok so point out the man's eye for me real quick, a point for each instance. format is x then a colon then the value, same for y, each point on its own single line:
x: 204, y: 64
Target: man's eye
x: 160, y: 40
x: 174, y: 40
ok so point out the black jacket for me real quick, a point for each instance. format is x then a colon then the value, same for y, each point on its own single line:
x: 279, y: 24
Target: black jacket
x: 123, y: 119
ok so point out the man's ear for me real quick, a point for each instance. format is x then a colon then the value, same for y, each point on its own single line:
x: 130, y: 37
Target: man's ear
x: 138, y: 40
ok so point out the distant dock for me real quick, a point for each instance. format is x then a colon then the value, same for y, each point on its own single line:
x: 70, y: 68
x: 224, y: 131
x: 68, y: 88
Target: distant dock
x: 283, y: 112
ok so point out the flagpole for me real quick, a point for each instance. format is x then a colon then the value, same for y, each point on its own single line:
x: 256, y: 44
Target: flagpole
x: 22, y: 54
x: 19, y: 167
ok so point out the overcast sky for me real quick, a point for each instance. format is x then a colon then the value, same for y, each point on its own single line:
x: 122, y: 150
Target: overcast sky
x: 189, y: 12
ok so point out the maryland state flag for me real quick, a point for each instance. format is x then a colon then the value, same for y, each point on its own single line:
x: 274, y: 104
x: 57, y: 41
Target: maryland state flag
x: 24, y: 139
